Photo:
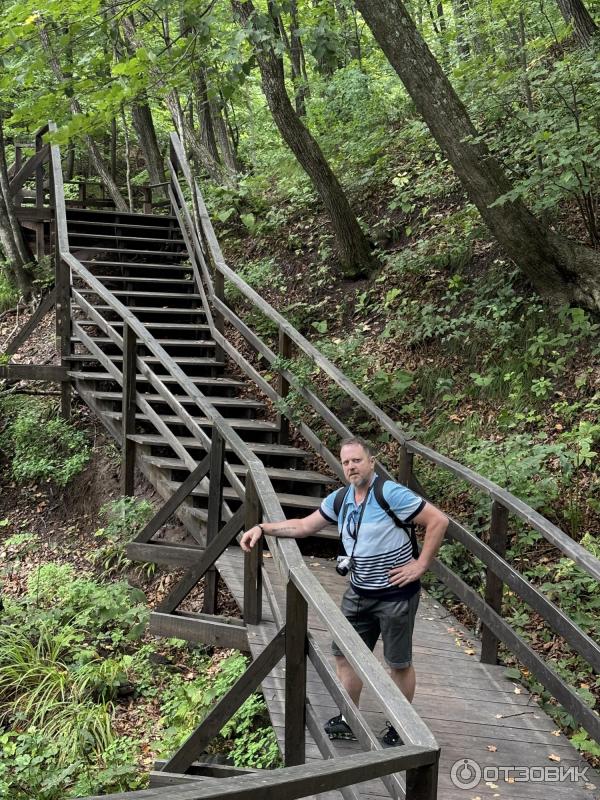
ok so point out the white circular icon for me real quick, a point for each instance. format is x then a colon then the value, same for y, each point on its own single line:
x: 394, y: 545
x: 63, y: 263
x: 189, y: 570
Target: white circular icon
x: 465, y: 773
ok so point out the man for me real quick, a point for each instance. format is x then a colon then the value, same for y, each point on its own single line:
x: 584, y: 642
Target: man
x: 383, y: 594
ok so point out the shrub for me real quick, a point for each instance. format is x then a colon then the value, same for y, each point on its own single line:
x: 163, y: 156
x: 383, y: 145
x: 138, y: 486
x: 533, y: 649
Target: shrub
x: 42, y: 445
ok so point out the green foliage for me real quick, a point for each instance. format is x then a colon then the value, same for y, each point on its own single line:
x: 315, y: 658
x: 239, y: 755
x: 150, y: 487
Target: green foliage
x: 125, y: 517
x: 9, y: 294
x: 43, y: 446
x: 260, y: 275
x: 246, y: 737
x: 59, y: 684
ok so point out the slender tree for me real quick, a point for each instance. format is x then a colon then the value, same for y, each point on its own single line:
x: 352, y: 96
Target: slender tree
x: 353, y: 248
x: 11, y: 236
x: 559, y: 268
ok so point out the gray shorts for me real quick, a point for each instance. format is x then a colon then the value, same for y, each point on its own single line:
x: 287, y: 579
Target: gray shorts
x: 394, y: 619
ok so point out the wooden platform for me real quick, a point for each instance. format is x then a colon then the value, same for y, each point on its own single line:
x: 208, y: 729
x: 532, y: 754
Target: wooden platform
x: 473, y: 710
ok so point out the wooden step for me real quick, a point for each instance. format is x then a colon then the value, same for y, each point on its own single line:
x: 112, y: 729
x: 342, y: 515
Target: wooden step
x: 121, y: 238
x: 156, y: 295
x: 236, y: 402
x: 130, y: 251
x: 74, y: 224
x: 264, y: 426
x: 139, y: 265
x: 163, y: 342
x: 196, y: 360
x: 174, y: 326
x: 275, y: 473
x: 156, y: 310
x: 297, y: 501
x: 74, y: 214
x: 198, y: 380
x: 144, y: 279
x: 190, y: 443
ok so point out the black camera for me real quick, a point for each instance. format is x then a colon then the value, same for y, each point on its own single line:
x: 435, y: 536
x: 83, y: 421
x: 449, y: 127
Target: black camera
x: 343, y: 565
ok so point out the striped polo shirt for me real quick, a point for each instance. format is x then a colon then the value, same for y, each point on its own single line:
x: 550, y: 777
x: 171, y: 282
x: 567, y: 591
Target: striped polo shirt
x: 380, y: 544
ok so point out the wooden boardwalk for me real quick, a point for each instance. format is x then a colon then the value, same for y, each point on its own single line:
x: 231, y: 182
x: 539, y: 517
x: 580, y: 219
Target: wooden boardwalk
x: 473, y: 710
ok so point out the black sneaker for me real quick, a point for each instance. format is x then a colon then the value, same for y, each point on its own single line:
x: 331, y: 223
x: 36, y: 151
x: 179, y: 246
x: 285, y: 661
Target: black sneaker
x: 391, y: 737
x: 336, y: 728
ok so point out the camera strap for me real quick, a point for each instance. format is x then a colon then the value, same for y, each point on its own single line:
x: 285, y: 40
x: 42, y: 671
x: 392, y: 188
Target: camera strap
x: 363, y: 505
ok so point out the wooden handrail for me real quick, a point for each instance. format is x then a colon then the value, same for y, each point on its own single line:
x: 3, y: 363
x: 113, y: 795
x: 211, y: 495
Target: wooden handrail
x: 551, y: 532
x: 502, y: 500
x: 400, y: 712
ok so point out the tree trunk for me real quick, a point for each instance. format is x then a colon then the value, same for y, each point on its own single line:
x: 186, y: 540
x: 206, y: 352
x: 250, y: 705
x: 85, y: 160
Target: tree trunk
x: 207, y: 130
x: 294, y: 56
x: 562, y: 270
x: 101, y: 168
x: 576, y: 14
x: 127, y: 160
x: 11, y: 236
x: 143, y: 124
x: 354, y: 251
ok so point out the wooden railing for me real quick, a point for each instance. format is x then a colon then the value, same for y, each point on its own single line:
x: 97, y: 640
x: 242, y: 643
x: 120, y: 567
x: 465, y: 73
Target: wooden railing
x: 259, y: 501
x: 503, y: 504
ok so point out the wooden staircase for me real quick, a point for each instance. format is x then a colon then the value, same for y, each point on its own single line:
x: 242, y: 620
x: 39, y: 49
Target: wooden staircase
x: 143, y: 261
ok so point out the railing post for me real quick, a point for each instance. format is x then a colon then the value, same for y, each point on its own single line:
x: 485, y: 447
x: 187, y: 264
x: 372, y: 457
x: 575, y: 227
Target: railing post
x: 39, y: 201
x: 147, y: 203
x: 214, y: 522
x: 283, y: 387
x: 422, y: 783
x: 253, y: 559
x: 218, y: 318
x: 63, y: 324
x: 494, y: 585
x: 129, y: 408
x: 405, y: 471
x: 18, y: 196
x: 296, y: 649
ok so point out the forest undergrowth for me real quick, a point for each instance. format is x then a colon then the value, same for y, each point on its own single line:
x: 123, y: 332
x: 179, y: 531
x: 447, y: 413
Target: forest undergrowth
x: 89, y: 700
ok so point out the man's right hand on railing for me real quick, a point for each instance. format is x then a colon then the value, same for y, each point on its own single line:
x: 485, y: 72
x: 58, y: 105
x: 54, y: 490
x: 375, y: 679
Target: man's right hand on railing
x: 288, y: 529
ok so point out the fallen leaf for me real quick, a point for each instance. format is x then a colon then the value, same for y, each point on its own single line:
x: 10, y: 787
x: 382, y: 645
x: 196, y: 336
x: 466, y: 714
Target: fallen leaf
x: 554, y: 757
x: 498, y: 716
x: 492, y: 748
x: 555, y: 733
x: 509, y: 780
x: 589, y: 786
x: 518, y: 691
x: 491, y: 785
x: 470, y: 652
x: 267, y: 555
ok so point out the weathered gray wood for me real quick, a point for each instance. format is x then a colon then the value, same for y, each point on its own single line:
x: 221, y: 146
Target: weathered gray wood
x: 296, y: 649
x: 209, y: 769
x: 401, y: 714
x: 193, y: 628
x: 28, y: 169
x: 128, y: 412
x: 556, y: 618
x: 422, y: 783
x: 252, y: 560
x: 323, y: 742
x: 355, y: 718
x: 33, y: 372
x: 214, y: 521
x: 494, y: 584
x: 283, y: 386
x: 545, y: 674
x: 171, y: 506
x: 206, y: 560
x: 25, y: 332
x: 168, y: 554
x: 294, y: 782
x: 227, y: 705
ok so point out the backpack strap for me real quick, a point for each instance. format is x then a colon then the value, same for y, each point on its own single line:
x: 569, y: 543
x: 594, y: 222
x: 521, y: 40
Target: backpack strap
x: 408, y: 527
x: 338, y: 502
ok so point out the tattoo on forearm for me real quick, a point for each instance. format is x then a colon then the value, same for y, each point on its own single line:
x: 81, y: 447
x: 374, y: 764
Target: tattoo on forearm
x: 282, y: 530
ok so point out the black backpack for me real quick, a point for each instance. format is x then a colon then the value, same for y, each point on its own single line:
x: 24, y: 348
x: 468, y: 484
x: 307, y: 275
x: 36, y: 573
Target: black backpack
x: 409, y: 527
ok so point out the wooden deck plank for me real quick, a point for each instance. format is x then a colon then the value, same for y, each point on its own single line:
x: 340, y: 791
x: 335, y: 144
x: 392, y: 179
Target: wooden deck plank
x: 468, y: 706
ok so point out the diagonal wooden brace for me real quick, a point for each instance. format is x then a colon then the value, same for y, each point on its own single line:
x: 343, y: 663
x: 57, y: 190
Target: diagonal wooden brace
x: 227, y: 705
